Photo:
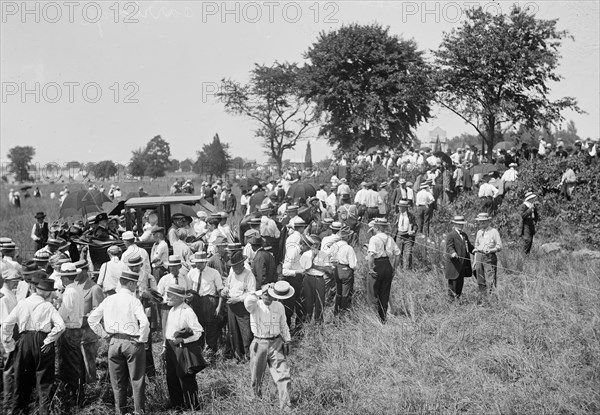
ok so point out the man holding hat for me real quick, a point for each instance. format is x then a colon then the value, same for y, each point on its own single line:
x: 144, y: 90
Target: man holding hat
x: 425, y: 203
x: 71, y: 367
x: 239, y: 283
x: 405, y: 230
x: 271, y: 338
x: 207, y: 284
x: 382, y: 260
x: 487, y: 244
x: 127, y: 328
x: 183, y: 388
x: 92, y: 297
x: 529, y: 219
x: 458, y: 259
x: 39, y: 232
x: 39, y: 325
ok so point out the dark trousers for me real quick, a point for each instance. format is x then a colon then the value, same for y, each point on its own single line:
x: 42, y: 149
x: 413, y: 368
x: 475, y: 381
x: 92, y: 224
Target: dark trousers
x: 383, y: 286
x: 371, y: 213
x: 127, y: 362
x: 238, y: 320
x: 33, y: 368
x: 89, y: 350
x: 208, y: 321
x: 423, y: 217
x: 406, y: 244
x: 295, y: 303
x: 487, y: 204
x: 71, y: 367
x: 314, y: 297
x: 455, y: 287
x: 183, y: 391
x: 344, y: 287
x: 527, y: 239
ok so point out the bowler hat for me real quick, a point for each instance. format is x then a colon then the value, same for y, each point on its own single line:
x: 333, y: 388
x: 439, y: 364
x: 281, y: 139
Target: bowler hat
x: 100, y: 217
x: 40, y: 215
x: 29, y: 267
x: 46, y: 285
x: 236, y: 258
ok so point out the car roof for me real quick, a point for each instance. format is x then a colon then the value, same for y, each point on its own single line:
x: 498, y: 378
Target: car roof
x: 162, y: 200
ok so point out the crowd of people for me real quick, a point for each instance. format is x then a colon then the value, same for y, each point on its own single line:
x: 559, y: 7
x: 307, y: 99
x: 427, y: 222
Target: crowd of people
x: 209, y: 287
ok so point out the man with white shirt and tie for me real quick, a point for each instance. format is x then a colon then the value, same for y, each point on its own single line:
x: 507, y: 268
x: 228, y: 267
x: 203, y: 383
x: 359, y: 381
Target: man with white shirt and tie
x: 71, y: 367
x: 405, y: 235
x: 271, y: 339
x: 425, y: 203
x: 127, y: 328
x: 183, y: 388
x: 40, y: 325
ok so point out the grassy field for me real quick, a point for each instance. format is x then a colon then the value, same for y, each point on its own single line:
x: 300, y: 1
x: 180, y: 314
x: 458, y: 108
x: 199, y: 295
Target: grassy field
x: 534, y: 349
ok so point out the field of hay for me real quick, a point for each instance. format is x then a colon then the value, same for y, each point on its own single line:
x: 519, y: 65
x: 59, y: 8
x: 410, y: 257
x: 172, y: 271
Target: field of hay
x: 534, y: 349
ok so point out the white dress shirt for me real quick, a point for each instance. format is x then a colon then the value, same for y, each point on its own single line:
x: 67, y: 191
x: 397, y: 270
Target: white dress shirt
x: 268, y: 227
x: 134, y: 250
x: 210, y: 284
x: 183, y: 317
x: 123, y: 313
x: 110, y: 272
x: 308, y: 259
x: 169, y: 279
x: 344, y: 254
x: 267, y: 321
x: 424, y: 198
x: 7, y: 303
x: 160, y: 254
x: 71, y: 307
x: 487, y: 190
x: 382, y: 245
x: 242, y: 284
x: 32, y: 314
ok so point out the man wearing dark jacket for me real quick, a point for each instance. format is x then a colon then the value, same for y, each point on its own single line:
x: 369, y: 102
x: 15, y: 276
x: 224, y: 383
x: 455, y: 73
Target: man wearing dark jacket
x: 263, y: 264
x: 458, y: 260
x: 529, y: 218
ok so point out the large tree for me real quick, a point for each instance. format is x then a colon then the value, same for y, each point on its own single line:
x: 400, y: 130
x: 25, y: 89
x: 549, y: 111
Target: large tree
x: 273, y: 99
x: 214, y: 159
x: 494, y: 71
x: 137, y: 165
x: 157, y: 157
x: 374, y: 88
x: 104, y: 169
x: 308, y: 157
x: 20, y: 157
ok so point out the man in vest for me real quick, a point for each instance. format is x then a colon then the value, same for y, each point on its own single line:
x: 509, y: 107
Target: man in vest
x: 39, y: 232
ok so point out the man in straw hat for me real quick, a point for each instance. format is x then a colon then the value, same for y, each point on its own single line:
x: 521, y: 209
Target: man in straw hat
x: 40, y: 325
x: 132, y: 249
x: 110, y: 271
x: 39, y: 232
x: 529, y: 219
x: 271, y: 338
x: 207, y: 285
x: 126, y: 327
x: 71, y: 367
x: 487, y: 244
x: 382, y: 260
x: 343, y: 259
x: 92, y: 297
x: 174, y: 277
x: 183, y: 388
x: 239, y: 283
x: 458, y: 260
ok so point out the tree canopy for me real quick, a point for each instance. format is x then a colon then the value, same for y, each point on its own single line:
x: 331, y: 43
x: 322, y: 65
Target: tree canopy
x: 153, y: 160
x: 20, y: 157
x: 214, y: 159
x: 104, y: 169
x: 273, y: 99
x: 372, y: 88
x: 494, y: 72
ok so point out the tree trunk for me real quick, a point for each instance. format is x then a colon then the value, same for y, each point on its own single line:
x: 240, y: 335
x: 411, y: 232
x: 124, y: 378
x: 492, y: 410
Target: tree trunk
x: 491, y: 135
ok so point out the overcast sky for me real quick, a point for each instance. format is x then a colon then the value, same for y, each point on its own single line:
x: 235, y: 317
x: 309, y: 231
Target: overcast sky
x: 170, y: 59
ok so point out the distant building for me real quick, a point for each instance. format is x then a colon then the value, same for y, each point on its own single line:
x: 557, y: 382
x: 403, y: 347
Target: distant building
x: 434, y: 135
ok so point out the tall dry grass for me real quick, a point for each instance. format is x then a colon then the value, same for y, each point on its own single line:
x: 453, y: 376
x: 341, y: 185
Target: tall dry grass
x: 534, y: 349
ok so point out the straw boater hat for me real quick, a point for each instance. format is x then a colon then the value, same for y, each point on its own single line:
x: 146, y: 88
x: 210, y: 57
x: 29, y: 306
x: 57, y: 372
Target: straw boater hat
x: 42, y: 256
x: 291, y: 208
x: 380, y: 222
x: 281, y: 290
x: 529, y: 196
x: 130, y: 275
x: 255, y: 221
x: 424, y: 185
x: 235, y: 246
x: 202, y: 214
x: 11, y: 274
x: 236, y: 258
x: 328, y: 221
x: 311, y: 240
x: 174, y: 261
x: 178, y: 291
x: 336, y: 226
x: 8, y: 246
x: 345, y: 232
x: 114, y: 250
x: 134, y: 261
x: 82, y: 264
x: 199, y: 257
x: 157, y: 229
x: 459, y: 220
x: 299, y: 223
x: 128, y: 236
x: 265, y: 208
x: 481, y: 217
x: 68, y: 269
x: 251, y: 232
x: 513, y: 165
x: 40, y: 215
